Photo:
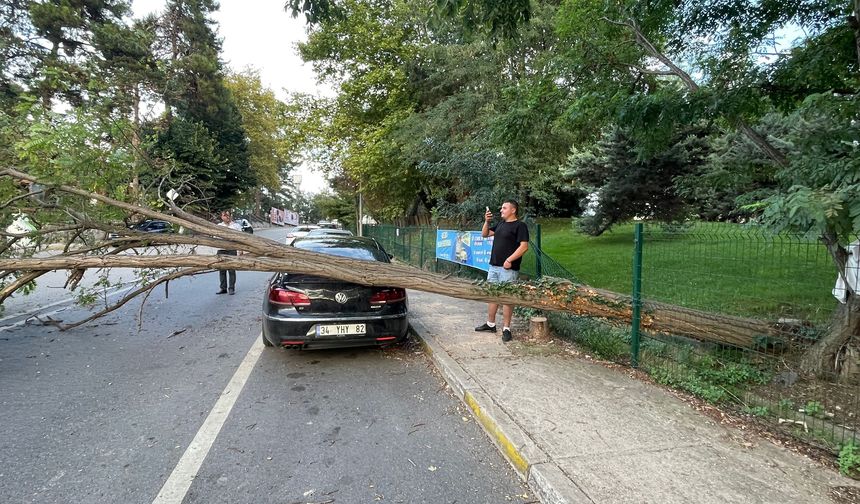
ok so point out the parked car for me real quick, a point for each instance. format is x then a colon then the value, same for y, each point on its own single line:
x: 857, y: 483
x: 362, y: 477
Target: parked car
x: 299, y: 232
x: 147, y: 226
x: 329, y: 232
x: 246, y: 225
x: 310, y: 312
x: 153, y: 226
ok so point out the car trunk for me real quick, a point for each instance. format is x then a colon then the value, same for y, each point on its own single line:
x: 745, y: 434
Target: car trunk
x: 323, y: 293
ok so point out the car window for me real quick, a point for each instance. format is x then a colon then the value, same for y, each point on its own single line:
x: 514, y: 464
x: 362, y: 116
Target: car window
x: 330, y: 232
x: 351, y: 249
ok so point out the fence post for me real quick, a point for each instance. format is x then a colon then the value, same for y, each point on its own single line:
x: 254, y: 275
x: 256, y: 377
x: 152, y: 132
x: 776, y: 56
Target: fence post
x: 421, y: 250
x: 539, y: 254
x: 637, y: 295
x: 435, y: 259
x: 409, y: 243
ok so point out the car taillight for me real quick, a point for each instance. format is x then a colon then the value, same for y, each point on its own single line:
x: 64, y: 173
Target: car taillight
x: 288, y: 298
x: 389, y: 295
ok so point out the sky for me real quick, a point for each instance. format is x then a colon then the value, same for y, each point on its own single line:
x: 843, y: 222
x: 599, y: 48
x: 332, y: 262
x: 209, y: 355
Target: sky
x: 260, y: 34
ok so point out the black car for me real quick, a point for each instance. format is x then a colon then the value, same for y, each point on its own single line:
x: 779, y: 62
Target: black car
x: 148, y: 226
x: 153, y: 226
x: 304, y: 311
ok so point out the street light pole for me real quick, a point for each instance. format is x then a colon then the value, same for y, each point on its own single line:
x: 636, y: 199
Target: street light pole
x: 360, y: 226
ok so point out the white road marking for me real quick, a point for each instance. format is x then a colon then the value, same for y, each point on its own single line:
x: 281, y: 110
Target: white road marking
x: 177, y: 485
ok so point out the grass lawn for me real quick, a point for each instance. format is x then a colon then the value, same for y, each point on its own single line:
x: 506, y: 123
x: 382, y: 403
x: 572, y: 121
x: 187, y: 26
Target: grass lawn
x: 720, y: 267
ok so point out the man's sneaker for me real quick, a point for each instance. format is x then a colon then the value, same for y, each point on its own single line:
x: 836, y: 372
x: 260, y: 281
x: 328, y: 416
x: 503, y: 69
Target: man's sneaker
x: 222, y: 291
x: 485, y: 328
x: 232, y: 291
x: 506, y: 335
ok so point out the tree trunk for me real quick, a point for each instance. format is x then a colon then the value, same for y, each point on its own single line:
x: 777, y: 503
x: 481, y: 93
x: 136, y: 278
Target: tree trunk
x: 855, y: 23
x: 135, y: 146
x: 539, y: 329
x: 275, y: 257
x: 826, y: 356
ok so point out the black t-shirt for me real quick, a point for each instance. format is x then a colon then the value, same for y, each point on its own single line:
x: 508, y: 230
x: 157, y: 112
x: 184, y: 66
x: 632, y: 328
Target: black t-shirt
x: 506, y: 239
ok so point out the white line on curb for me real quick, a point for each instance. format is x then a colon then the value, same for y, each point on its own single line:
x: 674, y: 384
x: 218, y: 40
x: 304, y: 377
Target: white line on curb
x: 183, y: 474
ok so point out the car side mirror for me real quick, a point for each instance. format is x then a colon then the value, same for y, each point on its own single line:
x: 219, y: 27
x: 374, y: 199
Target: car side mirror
x: 390, y: 256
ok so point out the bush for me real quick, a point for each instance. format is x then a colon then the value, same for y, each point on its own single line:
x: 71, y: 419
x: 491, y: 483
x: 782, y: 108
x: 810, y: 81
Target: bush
x: 849, y: 460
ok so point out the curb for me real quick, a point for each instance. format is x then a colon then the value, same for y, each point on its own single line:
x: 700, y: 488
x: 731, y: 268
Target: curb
x: 531, y: 463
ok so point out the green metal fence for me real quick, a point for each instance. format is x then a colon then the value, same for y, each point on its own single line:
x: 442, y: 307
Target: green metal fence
x: 775, y: 289
x: 416, y: 245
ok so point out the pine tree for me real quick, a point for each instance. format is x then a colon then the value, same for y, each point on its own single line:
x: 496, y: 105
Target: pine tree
x: 203, y: 136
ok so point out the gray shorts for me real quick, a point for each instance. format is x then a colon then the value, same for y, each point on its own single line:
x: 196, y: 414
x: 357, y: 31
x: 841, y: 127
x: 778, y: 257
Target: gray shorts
x: 497, y: 274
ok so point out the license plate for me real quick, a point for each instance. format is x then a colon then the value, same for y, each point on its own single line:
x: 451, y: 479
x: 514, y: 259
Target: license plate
x: 341, y: 329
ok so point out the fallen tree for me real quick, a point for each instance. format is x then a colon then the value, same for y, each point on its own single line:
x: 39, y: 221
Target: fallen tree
x: 263, y: 254
x: 560, y: 296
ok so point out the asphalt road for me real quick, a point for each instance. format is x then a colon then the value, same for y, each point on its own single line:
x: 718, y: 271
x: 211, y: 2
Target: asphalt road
x: 110, y: 413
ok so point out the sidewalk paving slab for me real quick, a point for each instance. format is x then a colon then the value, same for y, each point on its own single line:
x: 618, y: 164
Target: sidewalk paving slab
x: 577, y: 431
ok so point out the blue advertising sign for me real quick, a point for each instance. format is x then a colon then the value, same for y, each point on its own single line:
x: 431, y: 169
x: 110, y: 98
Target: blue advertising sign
x: 464, y: 247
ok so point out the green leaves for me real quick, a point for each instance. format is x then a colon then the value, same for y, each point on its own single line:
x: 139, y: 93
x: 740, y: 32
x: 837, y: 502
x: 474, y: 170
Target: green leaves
x: 71, y: 149
x: 494, y: 17
x: 630, y: 181
x: 267, y: 123
x: 822, y: 184
x: 315, y: 11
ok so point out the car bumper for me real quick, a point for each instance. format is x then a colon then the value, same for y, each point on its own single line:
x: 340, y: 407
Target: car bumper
x: 301, y: 332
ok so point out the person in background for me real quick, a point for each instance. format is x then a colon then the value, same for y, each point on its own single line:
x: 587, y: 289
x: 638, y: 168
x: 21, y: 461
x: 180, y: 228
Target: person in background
x: 510, y: 242
x: 224, y: 275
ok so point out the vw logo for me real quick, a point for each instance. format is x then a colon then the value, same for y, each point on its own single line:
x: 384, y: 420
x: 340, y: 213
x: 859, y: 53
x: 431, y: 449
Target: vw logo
x: 340, y: 297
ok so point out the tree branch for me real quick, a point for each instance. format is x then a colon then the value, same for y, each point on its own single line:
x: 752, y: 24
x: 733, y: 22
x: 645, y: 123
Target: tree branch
x: 18, y: 283
x: 41, y: 232
x: 128, y: 297
x: 9, y: 172
x: 20, y: 197
x: 760, y: 141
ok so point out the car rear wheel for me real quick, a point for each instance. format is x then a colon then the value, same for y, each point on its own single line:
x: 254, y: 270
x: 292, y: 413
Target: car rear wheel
x: 266, y: 341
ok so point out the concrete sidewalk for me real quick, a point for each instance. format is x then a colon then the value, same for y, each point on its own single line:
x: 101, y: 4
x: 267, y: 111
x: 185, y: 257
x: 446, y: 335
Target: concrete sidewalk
x: 581, y: 432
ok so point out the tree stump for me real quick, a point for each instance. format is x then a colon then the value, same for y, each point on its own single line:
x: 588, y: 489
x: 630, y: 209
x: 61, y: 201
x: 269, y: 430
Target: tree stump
x: 539, y: 329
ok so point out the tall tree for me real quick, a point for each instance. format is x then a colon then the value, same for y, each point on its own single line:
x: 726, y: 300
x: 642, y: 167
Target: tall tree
x: 81, y: 56
x: 50, y: 45
x: 267, y: 124
x: 203, y: 138
x: 741, y: 75
x: 628, y: 183
x: 364, y: 53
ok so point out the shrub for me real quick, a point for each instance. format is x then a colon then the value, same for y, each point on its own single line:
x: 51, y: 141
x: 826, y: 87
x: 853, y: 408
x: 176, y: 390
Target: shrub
x: 849, y: 460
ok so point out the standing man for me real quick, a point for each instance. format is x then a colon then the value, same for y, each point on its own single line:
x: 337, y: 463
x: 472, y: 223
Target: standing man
x: 227, y: 220
x: 510, y: 242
